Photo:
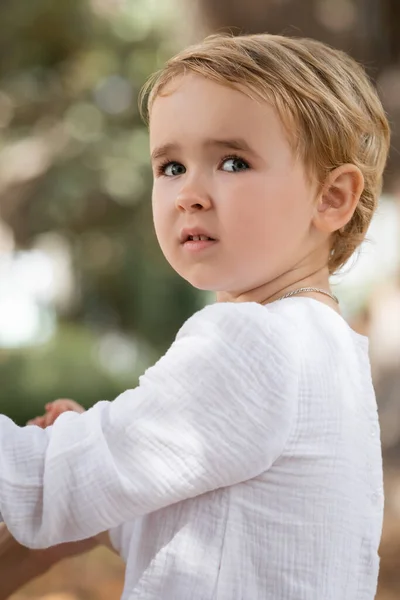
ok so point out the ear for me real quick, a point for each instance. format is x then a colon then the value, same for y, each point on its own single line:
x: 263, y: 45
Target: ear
x: 338, y: 198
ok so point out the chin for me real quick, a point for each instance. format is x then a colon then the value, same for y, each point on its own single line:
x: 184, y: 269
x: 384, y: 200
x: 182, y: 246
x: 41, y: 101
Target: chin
x: 203, y: 284
x: 201, y: 280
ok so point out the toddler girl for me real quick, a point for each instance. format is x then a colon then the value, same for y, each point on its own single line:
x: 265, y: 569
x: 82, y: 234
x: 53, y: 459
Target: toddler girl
x: 247, y: 463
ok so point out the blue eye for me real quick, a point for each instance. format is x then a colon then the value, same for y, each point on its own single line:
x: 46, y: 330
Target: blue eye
x: 172, y: 169
x: 234, y: 164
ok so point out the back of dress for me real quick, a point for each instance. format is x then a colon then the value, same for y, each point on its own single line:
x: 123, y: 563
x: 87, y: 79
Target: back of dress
x: 325, y: 493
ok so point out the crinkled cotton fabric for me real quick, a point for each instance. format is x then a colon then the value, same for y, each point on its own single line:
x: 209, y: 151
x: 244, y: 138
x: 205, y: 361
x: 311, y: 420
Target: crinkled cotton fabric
x: 245, y: 466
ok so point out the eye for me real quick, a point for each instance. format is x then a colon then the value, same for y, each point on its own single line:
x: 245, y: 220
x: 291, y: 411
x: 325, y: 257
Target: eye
x: 172, y: 169
x: 234, y: 164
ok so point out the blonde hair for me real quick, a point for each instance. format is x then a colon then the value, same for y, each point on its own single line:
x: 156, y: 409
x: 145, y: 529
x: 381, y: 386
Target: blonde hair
x: 324, y: 98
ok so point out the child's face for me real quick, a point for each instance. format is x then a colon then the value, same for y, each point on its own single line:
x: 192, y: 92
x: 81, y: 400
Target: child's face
x: 223, y: 164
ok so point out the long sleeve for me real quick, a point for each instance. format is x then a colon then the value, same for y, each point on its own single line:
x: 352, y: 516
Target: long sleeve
x: 215, y: 410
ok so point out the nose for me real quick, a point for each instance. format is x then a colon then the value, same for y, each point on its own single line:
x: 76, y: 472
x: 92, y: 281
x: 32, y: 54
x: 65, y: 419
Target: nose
x: 192, y: 198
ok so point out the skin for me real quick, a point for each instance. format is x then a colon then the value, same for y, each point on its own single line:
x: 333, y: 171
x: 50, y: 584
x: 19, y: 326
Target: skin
x: 19, y: 565
x: 54, y: 410
x: 272, y: 222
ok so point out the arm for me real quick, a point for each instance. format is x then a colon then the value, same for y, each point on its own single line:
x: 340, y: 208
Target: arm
x: 16, y: 564
x: 216, y: 410
x: 19, y: 565
x: 103, y: 539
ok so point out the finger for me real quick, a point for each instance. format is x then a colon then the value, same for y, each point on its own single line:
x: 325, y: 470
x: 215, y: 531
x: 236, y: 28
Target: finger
x: 63, y: 402
x: 66, y: 404
x: 50, y: 418
x: 53, y: 414
x: 38, y: 421
x: 76, y: 407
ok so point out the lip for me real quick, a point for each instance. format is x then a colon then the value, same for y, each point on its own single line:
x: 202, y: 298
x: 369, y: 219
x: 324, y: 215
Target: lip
x: 198, y: 246
x: 185, y: 233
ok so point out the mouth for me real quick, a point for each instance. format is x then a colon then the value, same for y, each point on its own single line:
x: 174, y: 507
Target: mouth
x: 199, y: 238
x: 196, y: 235
x: 195, y: 241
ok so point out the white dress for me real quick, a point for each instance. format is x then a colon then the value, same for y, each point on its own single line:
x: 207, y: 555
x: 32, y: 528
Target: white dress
x: 245, y: 466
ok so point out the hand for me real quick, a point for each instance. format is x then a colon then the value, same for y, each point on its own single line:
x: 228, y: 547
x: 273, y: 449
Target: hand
x: 54, y: 410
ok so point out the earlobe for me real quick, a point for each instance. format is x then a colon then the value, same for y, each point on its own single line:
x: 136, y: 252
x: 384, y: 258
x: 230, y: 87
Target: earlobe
x: 338, y: 198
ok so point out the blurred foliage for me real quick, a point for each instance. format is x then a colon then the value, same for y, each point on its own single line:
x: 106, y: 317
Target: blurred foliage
x: 68, y: 366
x: 74, y: 161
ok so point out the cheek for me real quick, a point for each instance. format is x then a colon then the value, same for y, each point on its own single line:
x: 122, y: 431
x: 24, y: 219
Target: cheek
x: 267, y: 213
x: 160, y: 203
x: 253, y: 205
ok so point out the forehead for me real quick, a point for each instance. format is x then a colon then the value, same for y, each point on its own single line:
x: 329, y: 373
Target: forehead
x: 192, y: 107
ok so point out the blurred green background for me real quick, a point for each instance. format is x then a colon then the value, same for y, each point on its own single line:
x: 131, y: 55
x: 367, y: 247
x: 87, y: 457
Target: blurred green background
x: 86, y: 296
x: 87, y: 301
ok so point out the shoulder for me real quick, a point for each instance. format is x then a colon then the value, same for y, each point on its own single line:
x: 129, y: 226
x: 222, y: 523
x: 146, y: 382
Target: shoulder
x: 248, y: 327
x: 241, y: 316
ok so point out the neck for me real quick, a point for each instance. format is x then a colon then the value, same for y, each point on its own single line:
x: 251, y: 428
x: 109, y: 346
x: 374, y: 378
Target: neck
x: 274, y: 289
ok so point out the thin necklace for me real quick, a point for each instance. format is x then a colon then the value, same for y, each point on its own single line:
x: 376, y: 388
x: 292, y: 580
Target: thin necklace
x: 308, y: 289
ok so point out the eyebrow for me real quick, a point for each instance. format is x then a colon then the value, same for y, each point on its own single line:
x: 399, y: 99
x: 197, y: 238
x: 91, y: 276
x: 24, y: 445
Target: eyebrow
x: 230, y: 144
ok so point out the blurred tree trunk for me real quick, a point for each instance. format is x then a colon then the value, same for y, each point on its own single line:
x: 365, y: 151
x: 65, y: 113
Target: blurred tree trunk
x: 369, y: 30
x: 353, y: 25
x: 392, y: 22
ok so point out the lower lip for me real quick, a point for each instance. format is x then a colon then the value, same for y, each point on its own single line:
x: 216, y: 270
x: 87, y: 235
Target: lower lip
x: 197, y: 246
